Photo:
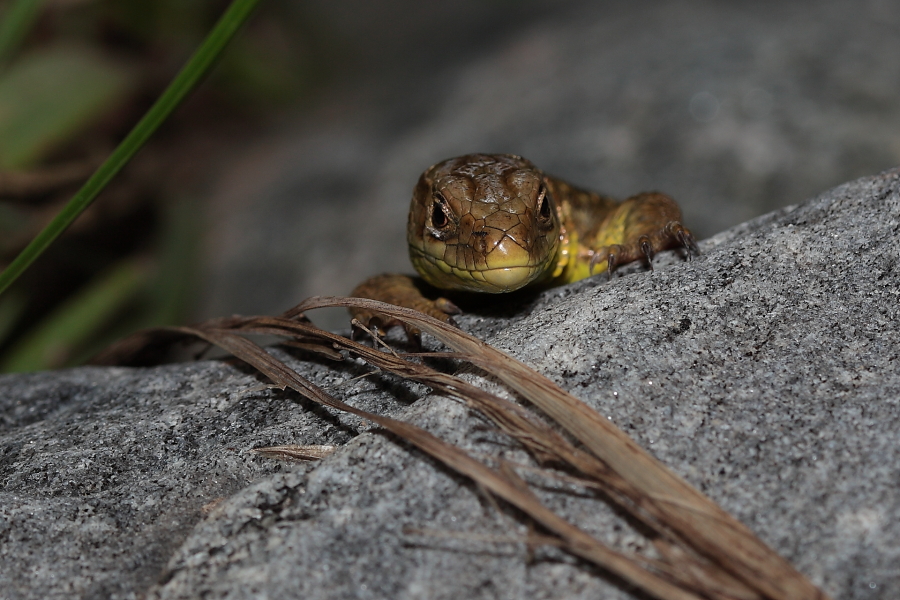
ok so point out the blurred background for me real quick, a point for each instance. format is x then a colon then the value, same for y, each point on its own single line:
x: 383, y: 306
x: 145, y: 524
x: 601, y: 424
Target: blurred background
x: 289, y: 172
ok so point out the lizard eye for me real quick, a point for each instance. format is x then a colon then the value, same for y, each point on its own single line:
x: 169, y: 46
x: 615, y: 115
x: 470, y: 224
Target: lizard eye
x: 438, y: 216
x: 545, y: 212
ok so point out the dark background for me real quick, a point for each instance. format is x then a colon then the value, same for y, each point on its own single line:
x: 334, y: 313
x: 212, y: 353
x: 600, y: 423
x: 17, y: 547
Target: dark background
x: 733, y: 108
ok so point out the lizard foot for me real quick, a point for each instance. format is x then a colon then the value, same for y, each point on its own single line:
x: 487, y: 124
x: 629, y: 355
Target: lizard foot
x: 400, y: 290
x: 638, y: 229
x: 673, y: 235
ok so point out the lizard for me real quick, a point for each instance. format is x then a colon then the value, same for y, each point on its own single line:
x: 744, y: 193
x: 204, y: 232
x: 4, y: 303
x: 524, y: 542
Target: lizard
x: 495, y: 223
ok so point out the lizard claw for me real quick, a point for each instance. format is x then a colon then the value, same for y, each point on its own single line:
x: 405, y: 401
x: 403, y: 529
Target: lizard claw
x: 595, y: 258
x: 447, y: 307
x: 686, y: 238
x: 647, y: 249
x: 610, y: 254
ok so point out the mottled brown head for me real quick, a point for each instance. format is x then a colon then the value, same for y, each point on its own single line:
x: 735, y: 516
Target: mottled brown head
x: 483, y: 222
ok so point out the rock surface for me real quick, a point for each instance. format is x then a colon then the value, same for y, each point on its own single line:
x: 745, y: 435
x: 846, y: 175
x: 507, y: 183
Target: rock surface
x: 765, y: 372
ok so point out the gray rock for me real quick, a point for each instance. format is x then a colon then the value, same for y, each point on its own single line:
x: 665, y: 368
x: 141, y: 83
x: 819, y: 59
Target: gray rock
x: 106, y: 471
x: 765, y: 372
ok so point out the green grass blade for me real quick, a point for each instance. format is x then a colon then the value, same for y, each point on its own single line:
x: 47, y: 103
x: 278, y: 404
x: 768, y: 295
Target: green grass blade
x: 184, y: 83
x: 15, y: 25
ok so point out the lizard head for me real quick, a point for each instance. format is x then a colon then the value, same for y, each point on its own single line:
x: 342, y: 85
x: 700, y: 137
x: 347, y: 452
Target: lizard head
x: 483, y: 222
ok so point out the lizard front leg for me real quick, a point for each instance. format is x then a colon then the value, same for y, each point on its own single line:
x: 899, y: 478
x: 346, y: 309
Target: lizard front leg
x: 637, y: 229
x: 400, y: 290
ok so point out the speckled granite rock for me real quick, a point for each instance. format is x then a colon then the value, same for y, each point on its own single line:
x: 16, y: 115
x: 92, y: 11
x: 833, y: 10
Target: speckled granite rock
x: 105, y: 471
x: 765, y: 372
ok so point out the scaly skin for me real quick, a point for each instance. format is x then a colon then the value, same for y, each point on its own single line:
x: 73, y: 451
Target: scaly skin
x: 495, y: 223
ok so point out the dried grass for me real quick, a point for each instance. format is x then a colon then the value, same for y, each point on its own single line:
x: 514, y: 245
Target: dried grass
x: 705, y: 553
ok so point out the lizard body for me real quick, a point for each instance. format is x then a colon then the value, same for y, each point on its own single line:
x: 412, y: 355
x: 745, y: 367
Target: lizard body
x: 495, y: 223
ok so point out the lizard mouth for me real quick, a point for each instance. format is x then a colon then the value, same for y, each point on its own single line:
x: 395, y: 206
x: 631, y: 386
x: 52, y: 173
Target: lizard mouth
x: 507, y: 268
